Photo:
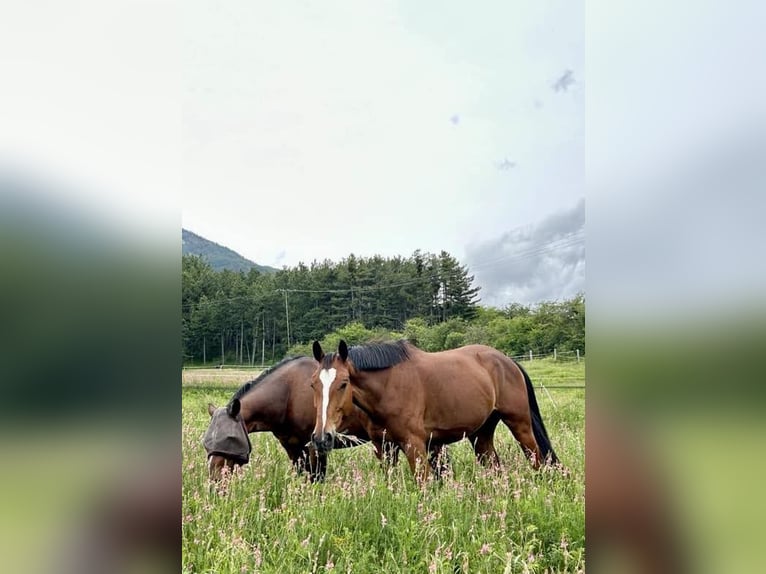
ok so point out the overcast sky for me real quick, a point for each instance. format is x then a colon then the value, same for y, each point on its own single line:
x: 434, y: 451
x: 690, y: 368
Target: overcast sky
x: 312, y: 131
x: 309, y: 131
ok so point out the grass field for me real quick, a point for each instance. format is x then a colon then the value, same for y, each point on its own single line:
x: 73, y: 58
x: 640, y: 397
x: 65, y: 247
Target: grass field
x: 366, y: 519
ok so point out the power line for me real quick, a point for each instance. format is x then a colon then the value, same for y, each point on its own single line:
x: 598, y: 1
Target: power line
x: 569, y: 240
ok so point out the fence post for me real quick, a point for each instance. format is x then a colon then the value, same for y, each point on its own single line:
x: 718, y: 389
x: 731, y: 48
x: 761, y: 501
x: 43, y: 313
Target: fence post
x: 578, y: 355
x: 530, y: 354
x: 554, y: 353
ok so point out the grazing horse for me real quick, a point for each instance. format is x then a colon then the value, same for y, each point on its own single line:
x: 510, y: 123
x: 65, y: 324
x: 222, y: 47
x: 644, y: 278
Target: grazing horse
x: 426, y: 400
x: 279, y: 401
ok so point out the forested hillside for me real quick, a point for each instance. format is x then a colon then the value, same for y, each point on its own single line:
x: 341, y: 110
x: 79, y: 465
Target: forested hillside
x: 430, y: 299
x: 218, y: 256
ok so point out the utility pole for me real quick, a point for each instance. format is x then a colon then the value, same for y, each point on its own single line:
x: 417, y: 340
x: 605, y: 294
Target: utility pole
x: 287, y: 317
x: 241, y: 340
x: 255, y: 340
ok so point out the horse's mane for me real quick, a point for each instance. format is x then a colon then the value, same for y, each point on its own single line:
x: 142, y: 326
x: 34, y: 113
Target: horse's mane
x: 247, y: 387
x: 378, y: 356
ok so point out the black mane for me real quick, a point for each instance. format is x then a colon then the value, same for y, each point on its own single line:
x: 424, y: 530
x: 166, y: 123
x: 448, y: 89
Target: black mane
x: 244, y: 389
x: 378, y: 356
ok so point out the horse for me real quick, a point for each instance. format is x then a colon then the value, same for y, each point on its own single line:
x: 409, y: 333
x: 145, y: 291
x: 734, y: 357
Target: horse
x: 427, y: 400
x: 280, y: 401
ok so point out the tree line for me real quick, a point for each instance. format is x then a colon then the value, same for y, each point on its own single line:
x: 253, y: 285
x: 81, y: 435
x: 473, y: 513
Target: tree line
x: 254, y: 317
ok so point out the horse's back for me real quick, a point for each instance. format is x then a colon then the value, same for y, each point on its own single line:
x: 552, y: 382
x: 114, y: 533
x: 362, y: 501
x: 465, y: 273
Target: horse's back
x: 472, y: 372
x: 478, y: 363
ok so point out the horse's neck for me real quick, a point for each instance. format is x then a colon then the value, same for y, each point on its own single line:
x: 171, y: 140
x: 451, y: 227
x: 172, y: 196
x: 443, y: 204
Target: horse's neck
x: 371, y: 387
x: 263, y: 408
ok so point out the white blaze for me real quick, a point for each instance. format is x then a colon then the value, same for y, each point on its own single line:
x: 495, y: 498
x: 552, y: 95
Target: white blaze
x: 327, y: 376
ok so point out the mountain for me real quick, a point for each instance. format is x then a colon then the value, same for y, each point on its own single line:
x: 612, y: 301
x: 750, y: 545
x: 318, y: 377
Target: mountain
x: 218, y: 256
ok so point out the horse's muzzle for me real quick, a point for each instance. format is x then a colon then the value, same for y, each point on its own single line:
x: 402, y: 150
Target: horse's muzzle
x: 323, y: 442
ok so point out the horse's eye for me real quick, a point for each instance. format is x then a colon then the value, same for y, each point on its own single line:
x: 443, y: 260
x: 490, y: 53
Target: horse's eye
x: 342, y: 386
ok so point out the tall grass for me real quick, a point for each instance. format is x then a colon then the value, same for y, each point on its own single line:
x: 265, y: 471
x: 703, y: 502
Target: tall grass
x: 367, y: 519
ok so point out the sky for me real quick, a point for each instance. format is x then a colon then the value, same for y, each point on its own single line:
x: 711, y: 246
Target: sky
x: 293, y: 131
x: 379, y: 112
x: 290, y: 133
x: 314, y: 131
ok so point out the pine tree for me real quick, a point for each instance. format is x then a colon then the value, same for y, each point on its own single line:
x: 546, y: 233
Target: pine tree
x: 456, y: 296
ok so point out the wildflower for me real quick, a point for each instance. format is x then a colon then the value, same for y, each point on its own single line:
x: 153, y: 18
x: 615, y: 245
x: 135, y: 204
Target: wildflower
x: 329, y: 565
x: 238, y: 542
x: 383, y: 520
x: 430, y: 517
x: 486, y: 548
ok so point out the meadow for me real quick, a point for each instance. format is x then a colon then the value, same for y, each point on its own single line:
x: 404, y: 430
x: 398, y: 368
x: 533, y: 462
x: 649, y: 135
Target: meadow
x: 365, y: 518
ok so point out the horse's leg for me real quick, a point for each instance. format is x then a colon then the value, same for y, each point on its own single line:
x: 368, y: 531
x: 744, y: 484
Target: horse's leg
x: 317, y: 462
x: 300, y: 461
x: 522, y: 431
x: 378, y: 446
x: 514, y: 406
x: 298, y: 456
x: 484, y: 444
x: 386, y: 451
x: 393, y: 453
x: 439, y: 460
x: 380, y: 452
x: 415, y: 450
x: 390, y: 454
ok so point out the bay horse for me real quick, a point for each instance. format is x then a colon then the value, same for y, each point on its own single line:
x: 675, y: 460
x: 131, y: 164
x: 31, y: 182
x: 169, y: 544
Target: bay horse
x: 280, y: 401
x: 426, y: 400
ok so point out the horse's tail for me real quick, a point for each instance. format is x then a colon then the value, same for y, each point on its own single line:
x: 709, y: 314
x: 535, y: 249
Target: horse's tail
x: 538, y: 427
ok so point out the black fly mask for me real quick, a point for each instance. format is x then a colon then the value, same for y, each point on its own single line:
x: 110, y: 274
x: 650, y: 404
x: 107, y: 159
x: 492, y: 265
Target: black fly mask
x: 227, y: 437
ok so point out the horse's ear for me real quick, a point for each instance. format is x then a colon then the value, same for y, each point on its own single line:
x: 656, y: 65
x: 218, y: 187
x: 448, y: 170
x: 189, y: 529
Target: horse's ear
x: 343, y: 350
x: 318, y: 353
x: 211, y: 409
x: 233, y: 408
